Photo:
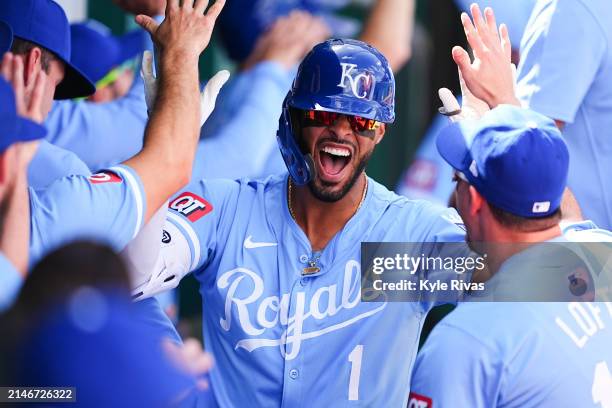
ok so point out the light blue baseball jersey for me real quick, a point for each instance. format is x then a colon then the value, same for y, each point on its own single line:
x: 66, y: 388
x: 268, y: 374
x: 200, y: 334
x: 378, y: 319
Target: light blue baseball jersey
x: 565, y: 73
x: 108, y: 206
x: 10, y: 282
x: 429, y: 177
x: 283, y: 339
x: 51, y: 163
x: 518, y: 354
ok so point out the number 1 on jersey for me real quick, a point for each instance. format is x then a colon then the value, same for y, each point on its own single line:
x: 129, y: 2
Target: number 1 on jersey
x: 602, y: 385
x: 355, y: 359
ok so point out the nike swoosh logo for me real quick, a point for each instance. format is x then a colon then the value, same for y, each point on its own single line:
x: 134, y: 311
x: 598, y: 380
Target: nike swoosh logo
x: 249, y: 244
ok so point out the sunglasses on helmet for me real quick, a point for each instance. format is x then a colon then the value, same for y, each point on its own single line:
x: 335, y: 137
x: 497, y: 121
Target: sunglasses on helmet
x: 358, y: 124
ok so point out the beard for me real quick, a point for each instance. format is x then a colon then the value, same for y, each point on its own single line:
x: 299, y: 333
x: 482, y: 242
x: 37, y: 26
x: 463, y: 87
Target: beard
x: 325, y: 192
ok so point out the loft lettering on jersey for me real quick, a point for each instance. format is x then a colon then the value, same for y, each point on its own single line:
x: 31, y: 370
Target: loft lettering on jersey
x: 253, y: 310
x: 587, y: 320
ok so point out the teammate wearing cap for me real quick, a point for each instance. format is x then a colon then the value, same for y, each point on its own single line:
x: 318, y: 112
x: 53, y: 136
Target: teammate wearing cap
x: 114, y: 204
x: 45, y: 48
x: 511, y: 173
x: 511, y: 170
x: 113, y: 70
x: 278, y: 260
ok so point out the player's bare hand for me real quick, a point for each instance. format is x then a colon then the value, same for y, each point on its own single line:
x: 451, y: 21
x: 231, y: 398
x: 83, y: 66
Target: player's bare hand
x: 186, y: 30
x: 288, y: 40
x: 489, y: 77
x: 190, y: 358
x: 12, y: 69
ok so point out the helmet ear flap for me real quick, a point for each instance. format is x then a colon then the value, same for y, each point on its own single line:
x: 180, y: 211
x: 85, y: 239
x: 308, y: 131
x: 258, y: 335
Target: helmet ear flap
x: 300, y: 166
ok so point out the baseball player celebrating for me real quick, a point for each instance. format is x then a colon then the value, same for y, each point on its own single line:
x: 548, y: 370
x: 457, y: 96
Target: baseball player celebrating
x: 278, y: 260
x: 515, y: 354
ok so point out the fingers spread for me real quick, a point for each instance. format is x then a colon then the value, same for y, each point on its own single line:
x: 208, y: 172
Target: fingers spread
x: 491, y: 22
x: 200, y: 6
x: 147, y: 23
x: 472, y: 35
x: 36, y: 100
x: 215, y: 9
x: 7, y: 66
x: 505, y: 41
x: 462, y: 59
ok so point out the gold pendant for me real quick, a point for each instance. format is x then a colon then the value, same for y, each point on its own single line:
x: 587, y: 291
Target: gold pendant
x: 309, y: 270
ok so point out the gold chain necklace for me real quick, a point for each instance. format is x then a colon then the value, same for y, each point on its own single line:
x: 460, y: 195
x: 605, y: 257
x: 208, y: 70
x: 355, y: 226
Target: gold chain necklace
x: 312, y: 267
x: 290, y: 194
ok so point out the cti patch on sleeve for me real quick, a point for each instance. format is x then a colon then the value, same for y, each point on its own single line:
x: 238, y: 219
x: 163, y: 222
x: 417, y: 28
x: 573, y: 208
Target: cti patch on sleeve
x: 191, y: 206
x: 419, y: 401
x: 105, y: 177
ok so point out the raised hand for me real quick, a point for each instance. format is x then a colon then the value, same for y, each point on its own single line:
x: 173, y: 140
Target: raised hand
x: 186, y: 30
x: 288, y: 40
x: 490, y: 76
x: 12, y: 69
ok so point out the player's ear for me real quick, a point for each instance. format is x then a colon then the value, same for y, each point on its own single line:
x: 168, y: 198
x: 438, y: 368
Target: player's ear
x: 380, y: 133
x: 476, y: 201
x: 32, y: 63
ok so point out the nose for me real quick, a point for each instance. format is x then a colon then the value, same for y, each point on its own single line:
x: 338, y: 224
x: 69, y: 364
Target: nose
x: 341, y: 127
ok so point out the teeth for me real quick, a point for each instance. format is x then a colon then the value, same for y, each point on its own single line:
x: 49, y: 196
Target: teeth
x: 337, y: 152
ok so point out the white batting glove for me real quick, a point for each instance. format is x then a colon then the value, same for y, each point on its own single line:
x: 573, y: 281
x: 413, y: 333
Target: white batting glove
x: 207, y: 98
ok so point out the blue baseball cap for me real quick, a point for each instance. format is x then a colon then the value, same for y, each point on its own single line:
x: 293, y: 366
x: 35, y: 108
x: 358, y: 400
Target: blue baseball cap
x: 97, y: 52
x: 514, y: 157
x: 6, y: 38
x: 14, y: 128
x: 44, y: 23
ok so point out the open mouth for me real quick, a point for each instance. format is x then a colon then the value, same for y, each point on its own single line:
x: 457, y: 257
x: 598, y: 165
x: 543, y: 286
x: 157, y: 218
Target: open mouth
x: 333, y: 160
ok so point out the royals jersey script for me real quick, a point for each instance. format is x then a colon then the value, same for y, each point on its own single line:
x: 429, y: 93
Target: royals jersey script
x: 282, y: 338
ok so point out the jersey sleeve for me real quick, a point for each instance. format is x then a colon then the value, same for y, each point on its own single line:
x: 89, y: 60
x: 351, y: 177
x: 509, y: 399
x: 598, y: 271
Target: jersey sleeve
x: 453, y: 369
x: 561, y: 52
x: 108, y: 206
x: 50, y: 163
x: 202, y: 216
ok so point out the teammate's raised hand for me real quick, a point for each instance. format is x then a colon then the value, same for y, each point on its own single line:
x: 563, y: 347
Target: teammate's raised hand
x: 12, y: 69
x: 490, y: 76
x: 288, y: 40
x: 186, y: 30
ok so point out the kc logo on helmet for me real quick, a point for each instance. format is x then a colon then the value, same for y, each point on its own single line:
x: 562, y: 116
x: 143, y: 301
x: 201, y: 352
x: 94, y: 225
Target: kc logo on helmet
x: 105, y: 177
x: 191, y: 206
x: 419, y: 401
x: 360, y: 84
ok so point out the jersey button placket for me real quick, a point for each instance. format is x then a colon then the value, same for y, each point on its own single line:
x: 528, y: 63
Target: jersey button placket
x: 292, y: 387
